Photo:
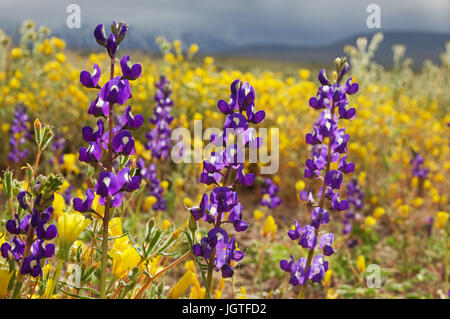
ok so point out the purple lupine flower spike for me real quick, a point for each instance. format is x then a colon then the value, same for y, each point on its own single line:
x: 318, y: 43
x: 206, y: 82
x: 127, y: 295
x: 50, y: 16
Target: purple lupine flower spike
x: 20, y: 133
x: 240, y: 112
x: 329, y: 145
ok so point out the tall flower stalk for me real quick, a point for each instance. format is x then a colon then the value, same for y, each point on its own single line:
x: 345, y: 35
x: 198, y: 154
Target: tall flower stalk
x: 31, y: 224
x: 117, y: 141
x: 329, y: 145
x: 225, y: 170
x: 20, y: 132
x: 158, y: 142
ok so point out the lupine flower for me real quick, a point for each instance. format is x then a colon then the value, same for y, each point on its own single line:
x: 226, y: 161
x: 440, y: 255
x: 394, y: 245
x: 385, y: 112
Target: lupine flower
x: 355, y: 198
x: 329, y: 145
x: 20, y: 132
x: 217, y: 248
x: 115, y: 141
x: 156, y: 191
x: 38, y: 219
x: 418, y: 163
x: 159, y: 137
x: 115, y: 91
x: 90, y: 80
x: 270, y: 191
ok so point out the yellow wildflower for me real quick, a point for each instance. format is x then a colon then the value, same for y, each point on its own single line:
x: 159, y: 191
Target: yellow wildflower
x: 361, y: 264
x: 441, y: 220
x: 257, y: 214
x: 70, y: 226
x: 270, y: 227
x: 378, y: 212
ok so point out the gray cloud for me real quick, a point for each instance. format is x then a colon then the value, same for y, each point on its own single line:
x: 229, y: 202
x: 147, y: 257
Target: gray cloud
x: 241, y: 22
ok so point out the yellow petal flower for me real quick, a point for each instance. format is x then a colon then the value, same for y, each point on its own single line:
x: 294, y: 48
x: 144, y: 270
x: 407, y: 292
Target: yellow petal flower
x: 70, y: 226
x: 5, y: 277
x: 270, y: 227
x: 182, y: 285
x: 165, y: 224
x: 124, y: 261
x: 257, y: 214
x: 115, y: 227
x: 378, y: 212
x: 370, y: 221
x: 149, y: 201
x: 361, y: 263
x: 441, y: 220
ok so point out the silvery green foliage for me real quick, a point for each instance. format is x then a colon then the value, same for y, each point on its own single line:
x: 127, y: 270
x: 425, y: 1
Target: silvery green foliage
x: 363, y: 67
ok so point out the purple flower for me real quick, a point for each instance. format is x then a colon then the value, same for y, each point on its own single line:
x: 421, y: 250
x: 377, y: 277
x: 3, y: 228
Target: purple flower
x: 16, y: 226
x: 154, y: 185
x: 319, y: 216
x: 132, y: 121
x: 90, y: 154
x: 123, y: 143
x: 129, y: 71
x: 91, y: 80
x: 224, y: 169
x: 329, y: 146
x: 100, y: 35
x: 20, y: 132
x: 129, y: 183
x: 325, y: 243
x: 99, y: 107
x: 111, y: 45
x: 270, y: 194
x: 199, y: 212
x: 308, y: 238
x: 13, y: 250
x: 418, y: 163
x: 90, y: 136
x: 295, y: 234
x: 116, y: 90
x: 226, y: 253
x: 84, y: 206
x: 334, y: 179
x: 107, y: 184
x: 318, y: 269
x: 159, y: 137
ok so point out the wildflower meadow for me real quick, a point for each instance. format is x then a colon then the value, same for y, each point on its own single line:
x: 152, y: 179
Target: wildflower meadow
x: 185, y: 175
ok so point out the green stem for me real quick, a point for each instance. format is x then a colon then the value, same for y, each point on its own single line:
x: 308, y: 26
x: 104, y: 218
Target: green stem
x: 104, y: 260
x: 136, y: 212
x: 321, y: 203
x: 55, y: 278
x: 213, y: 251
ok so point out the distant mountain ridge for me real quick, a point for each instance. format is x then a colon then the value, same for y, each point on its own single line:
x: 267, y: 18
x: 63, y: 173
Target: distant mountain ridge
x: 419, y: 45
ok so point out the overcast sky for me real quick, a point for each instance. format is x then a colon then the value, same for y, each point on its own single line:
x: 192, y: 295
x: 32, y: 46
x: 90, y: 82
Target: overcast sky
x: 241, y: 21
